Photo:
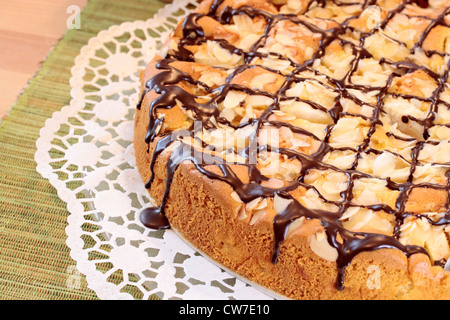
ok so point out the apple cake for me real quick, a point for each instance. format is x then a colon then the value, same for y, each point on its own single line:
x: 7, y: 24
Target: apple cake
x: 304, y: 144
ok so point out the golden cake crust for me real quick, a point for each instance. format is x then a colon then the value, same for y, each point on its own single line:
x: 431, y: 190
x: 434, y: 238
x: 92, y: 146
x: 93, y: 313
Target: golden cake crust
x: 240, y: 236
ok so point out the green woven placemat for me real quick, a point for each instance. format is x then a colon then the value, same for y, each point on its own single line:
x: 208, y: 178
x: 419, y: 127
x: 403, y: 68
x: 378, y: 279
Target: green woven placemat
x: 34, y: 259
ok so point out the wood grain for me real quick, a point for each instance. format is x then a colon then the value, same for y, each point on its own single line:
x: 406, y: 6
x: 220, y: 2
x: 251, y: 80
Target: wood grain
x: 28, y: 31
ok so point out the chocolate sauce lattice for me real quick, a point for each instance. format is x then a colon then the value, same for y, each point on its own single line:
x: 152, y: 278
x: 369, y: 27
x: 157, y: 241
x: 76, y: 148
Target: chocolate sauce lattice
x: 357, y: 91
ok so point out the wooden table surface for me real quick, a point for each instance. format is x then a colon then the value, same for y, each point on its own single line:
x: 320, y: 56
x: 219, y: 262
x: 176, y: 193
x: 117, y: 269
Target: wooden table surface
x: 28, y: 31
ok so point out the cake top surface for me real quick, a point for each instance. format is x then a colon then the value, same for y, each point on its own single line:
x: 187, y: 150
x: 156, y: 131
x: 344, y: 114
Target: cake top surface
x: 340, y: 110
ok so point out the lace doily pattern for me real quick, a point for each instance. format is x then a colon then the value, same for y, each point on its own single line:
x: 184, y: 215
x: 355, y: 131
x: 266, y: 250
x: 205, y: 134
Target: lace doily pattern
x: 86, y: 152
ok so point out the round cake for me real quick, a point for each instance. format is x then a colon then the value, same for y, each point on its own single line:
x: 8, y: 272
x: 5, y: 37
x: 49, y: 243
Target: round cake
x: 304, y: 144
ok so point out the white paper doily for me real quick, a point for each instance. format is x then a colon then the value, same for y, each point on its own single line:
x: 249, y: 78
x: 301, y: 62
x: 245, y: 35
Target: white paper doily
x: 86, y: 152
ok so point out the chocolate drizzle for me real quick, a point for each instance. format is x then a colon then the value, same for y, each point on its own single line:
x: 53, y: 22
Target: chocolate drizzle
x: 348, y: 243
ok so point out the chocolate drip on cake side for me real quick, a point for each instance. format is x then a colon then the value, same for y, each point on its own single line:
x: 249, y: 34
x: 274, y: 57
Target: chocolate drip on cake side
x: 347, y: 243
